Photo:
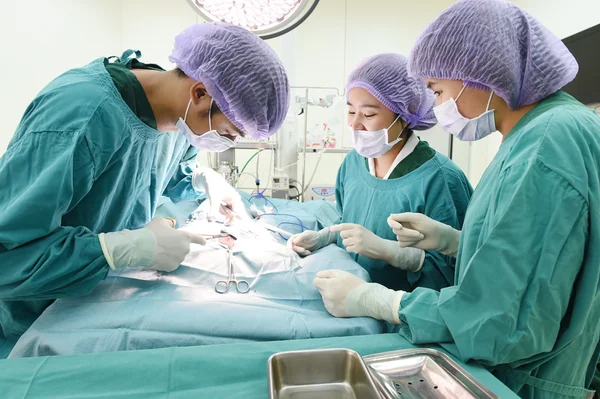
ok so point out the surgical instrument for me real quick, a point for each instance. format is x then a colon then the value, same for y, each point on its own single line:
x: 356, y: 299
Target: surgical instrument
x: 222, y: 234
x: 222, y: 286
x: 225, y: 207
x: 276, y: 229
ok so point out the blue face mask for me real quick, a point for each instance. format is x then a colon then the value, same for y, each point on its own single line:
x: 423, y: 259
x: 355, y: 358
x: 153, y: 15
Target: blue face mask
x: 210, y: 141
x: 465, y: 129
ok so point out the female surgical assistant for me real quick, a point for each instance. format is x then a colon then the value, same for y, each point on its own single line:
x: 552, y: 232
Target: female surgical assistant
x: 389, y: 170
x: 526, y: 297
x: 94, y: 152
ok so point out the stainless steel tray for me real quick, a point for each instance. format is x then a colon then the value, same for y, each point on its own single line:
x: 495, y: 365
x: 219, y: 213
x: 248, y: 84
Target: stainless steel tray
x: 422, y: 373
x: 320, y: 374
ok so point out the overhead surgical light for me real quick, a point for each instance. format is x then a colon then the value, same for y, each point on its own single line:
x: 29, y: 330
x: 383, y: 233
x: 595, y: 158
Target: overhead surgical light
x: 266, y: 18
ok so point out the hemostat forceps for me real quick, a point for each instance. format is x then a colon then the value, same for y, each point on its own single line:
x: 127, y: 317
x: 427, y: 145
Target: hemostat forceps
x: 222, y: 286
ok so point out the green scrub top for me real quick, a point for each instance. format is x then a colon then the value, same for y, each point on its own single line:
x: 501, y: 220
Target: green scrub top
x: 421, y: 154
x: 425, y: 182
x: 526, y: 300
x: 80, y: 163
x: 130, y: 88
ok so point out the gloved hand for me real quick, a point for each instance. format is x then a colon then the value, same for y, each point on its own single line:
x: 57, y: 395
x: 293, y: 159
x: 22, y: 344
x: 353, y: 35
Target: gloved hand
x: 360, y: 240
x: 223, y: 198
x: 346, y: 295
x: 308, y: 241
x: 231, y: 208
x: 158, y: 246
x: 419, y: 231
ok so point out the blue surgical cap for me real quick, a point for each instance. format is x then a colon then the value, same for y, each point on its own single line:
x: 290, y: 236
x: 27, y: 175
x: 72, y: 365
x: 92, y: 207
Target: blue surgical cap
x: 494, y: 45
x: 385, y: 77
x: 240, y: 71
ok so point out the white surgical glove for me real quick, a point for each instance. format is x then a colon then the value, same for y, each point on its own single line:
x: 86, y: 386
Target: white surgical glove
x: 309, y: 241
x: 419, y: 231
x: 360, y: 240
x: 219, y: 192
x: 158, y: 246
x: 346, y: 295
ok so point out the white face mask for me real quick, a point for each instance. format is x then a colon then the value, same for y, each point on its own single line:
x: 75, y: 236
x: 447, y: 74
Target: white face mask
x: 209, y: 141
x: 465, y: 129
x: 374, y: 144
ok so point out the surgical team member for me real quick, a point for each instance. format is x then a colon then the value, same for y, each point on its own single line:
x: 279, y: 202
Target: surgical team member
x: 390, y: 170
x: 526, y: 300
x: 99, y: 145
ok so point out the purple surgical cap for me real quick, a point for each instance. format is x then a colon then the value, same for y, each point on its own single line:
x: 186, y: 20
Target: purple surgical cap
x: 240, y: 71
x: 385, y: 77
x: 494, y: 45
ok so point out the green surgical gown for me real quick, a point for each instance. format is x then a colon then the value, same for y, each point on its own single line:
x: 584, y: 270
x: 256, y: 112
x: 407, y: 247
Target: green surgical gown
x: 129, y: 87
x: 526, y: 301
x: 80, y: 163
x: 436, y: 187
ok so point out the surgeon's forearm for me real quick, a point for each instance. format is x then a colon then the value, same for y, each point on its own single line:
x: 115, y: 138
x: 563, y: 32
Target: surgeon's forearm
x: 326, y: 237
x: 409, y: 259
x: 420, y: 317
x: 67, y: 262
x: 180, y: 186
x: 375, y: 301
x: 449, y: 241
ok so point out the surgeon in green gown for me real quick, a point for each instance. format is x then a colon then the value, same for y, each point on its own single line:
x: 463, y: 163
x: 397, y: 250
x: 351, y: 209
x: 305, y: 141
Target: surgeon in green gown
x: 526, y: 298
x: 98, y: 147
x: 391, y: 170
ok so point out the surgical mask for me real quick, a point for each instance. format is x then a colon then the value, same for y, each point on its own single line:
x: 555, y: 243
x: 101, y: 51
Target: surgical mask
x: 209, y: 141
x: 465, y: 129
x: 374, y: 144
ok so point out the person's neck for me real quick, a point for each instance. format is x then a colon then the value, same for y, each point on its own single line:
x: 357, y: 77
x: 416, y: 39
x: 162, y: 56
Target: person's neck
x: 507, y: 119
x: 384, y: 162
x: 160, y: 88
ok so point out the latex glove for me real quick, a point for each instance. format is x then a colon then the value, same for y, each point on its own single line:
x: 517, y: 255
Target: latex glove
x: 308, y: 241
x: 231, y: 208
x: 223, y: 198
x: 362, y: 241
x: 345, y: 295
x: 158, y: 246
x: 419, y: 231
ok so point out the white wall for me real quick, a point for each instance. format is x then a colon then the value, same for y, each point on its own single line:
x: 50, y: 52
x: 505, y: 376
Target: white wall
x: 318, y: 53
x: 340, y: 33
x: 42, y: 40
x: 151, y: 26
x: 563, y: 18
x: 329, y: 44
x: 332, y: 42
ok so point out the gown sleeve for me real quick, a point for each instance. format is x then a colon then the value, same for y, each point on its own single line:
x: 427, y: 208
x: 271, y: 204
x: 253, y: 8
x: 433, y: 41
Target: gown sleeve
x: 180, y: 186
x: 438, y: 269
x: 447, y: 206
x: 514, y: 289
x: 42, y: 176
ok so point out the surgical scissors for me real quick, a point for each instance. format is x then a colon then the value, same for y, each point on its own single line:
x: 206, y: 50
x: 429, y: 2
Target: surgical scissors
x: 222, y: 286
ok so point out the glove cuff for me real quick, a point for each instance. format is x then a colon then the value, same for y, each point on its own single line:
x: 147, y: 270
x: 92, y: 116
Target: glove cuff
x: 409, y: 259
x: 128, y: 248
x: 326, y: 237
x: 450, y: 239
x: 376, y: 301
x: 106, y: 252
x: 421, y: 262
